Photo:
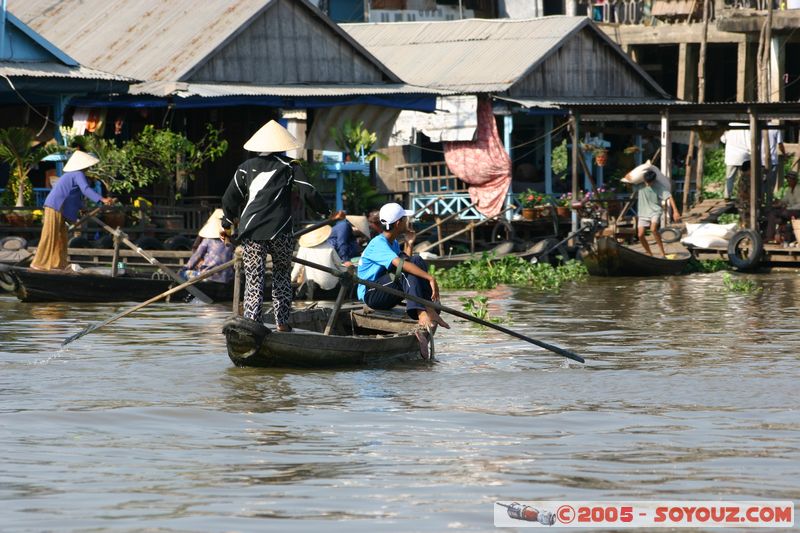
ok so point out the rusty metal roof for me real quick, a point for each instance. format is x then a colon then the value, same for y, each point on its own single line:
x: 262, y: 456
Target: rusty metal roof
x: 213, y: 90
x: 473, y: 55
x: 141, y: 39
x: 54, y: 70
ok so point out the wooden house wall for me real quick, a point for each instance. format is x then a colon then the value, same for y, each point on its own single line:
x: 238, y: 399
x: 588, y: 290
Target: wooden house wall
x: 287, y: 44
x: 584, y: 67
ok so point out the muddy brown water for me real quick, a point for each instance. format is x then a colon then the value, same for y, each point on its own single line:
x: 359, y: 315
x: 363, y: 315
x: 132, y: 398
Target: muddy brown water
x: 690, y: 392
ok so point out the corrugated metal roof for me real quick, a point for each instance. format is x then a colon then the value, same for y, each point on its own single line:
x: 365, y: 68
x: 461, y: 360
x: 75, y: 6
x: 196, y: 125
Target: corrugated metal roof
x: 151, y: 39
x: 141, y: 39
x: 54, y: 70
x: 209, y: 90
x: 558, y: 103
x: 472, y: 56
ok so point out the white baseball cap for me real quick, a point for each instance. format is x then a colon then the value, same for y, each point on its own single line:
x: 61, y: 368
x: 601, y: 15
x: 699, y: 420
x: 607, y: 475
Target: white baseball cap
x: 391, y: 213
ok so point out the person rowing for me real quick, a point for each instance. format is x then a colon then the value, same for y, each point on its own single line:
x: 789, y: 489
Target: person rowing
x: 383, y: 262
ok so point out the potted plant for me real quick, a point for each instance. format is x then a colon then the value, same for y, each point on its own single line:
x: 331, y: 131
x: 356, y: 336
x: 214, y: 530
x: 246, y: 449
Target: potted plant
x: 564, y: 204
x: 21, y: 150
x: 531, y: 202
x: 600, y: 153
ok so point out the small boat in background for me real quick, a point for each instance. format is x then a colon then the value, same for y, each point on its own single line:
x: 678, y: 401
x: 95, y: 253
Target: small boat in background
x: 606, y: 257
x: 97, y: 285
x: 358, y: 337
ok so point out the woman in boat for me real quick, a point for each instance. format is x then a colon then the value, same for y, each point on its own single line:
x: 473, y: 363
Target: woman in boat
x: 316, y: 247
x: 262, y: 189
x: 384, y: 263
x: 61, y: 206
x: 212, y: 252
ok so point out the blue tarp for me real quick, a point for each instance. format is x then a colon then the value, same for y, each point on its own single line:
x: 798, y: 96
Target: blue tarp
x: 425, y: 103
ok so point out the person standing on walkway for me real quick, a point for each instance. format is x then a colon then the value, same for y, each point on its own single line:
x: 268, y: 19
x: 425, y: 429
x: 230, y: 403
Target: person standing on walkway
x: 259, y: 197
x: 650, y: 197
x: 61, y: 206
x: 737, y: 151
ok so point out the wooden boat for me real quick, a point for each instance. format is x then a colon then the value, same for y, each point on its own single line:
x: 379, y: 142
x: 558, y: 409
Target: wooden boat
x: 94, y: 285
x: 358, y: 338
x: 606, y: 257
x: 546, y: 250
x: 97, y: 285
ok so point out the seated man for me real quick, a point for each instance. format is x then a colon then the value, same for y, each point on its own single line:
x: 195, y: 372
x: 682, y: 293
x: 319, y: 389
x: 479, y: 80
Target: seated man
x: 785, y: 209
x: 315, y: 246
x: 384, y: 263
x: 344, y: 237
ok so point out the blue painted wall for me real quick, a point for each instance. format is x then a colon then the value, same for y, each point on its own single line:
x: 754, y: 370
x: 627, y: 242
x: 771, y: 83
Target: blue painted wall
x: 346, y: 10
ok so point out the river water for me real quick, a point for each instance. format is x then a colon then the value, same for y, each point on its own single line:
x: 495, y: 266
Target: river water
x: 689, y: 392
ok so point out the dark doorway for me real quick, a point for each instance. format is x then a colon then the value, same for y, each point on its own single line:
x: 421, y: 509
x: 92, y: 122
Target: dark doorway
x: 661, y: 62
x: 721, y: 72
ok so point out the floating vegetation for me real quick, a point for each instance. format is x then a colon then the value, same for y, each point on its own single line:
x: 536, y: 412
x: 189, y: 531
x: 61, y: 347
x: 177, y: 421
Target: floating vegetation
x: 489, y: 271
x: 706, y: 266
x: 744, y: 286
x: 478, y: 306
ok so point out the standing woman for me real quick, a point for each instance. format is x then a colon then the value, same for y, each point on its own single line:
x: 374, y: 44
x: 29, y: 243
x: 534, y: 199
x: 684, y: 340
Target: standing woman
x: 260, y: 197
x: 61, y: 206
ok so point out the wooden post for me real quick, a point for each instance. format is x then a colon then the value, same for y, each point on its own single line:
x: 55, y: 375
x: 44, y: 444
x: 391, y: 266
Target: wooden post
x: 237, y: 280
x: 438, y: 220
x: 471, y: 240
x: 666, y: 146
x: 687, y: 180
x: 115, y: 256
x: 345, y: 284
x: 548, y: 154
x: 575, y: 155
x: 755, y: 170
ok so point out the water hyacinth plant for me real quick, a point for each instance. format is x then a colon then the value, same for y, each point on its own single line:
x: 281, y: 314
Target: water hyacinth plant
x: 488, y: 272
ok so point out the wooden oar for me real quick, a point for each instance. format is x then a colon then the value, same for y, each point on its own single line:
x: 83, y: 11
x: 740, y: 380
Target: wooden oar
x: 194, y: 291
x: 81, y: 221
x: 186, y: 285
x: 439, y: 307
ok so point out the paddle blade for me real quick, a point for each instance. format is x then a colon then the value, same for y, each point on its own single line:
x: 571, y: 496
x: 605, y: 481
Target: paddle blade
x: 76, y: 336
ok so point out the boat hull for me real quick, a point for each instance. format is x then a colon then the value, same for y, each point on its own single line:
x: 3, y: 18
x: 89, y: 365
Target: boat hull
x: 48, y: 286
x: 252, y: 344
x: 606, y: 257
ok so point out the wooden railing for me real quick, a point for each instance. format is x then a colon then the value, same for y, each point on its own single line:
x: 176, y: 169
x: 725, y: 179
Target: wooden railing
x: 431, y: 178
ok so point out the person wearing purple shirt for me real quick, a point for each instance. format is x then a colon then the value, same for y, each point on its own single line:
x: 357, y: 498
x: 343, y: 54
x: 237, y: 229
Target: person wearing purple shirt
x: 212, y: 252
x: 62, y: 205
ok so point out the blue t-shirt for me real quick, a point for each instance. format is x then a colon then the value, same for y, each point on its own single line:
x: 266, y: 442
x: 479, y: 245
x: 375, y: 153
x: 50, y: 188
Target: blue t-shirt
x: 376, y: 260
x: 343, y: 240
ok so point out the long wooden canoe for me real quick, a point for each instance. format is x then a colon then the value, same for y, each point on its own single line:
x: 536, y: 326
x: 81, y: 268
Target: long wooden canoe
x: 606, y: 257
x: 64, y: 286
x: 358, y: 338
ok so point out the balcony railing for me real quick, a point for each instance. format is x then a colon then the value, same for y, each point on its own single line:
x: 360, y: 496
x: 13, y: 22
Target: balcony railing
x: 652, y: 12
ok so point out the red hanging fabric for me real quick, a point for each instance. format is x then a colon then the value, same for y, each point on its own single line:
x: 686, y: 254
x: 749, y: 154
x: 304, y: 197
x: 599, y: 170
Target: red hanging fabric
x: 483, y: 163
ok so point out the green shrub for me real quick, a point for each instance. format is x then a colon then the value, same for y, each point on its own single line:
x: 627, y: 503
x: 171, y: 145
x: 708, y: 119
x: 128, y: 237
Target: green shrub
x: 488, y: 272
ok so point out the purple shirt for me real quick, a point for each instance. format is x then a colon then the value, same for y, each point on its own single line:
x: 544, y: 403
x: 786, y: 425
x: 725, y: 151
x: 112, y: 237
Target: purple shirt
x: 212, y: 252
x: 66, y: 194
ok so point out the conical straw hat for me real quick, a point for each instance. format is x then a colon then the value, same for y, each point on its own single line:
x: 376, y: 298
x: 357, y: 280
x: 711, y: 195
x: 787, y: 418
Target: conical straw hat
x: 79, y: 161
x: 360, y: 223
x: 272, y: 137
x: 315, y: 238
x: 212, y: 227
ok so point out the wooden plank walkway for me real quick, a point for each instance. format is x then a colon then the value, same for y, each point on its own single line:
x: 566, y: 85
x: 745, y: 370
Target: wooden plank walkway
x: 708, y: 211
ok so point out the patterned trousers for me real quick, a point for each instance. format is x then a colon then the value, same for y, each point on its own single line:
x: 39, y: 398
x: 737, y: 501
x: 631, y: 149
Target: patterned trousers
x: 255, y: 256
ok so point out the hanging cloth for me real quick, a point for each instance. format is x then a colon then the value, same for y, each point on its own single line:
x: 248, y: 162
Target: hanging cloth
x: 483, y: 163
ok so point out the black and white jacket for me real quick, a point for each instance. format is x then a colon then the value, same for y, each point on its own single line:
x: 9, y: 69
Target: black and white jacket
x: 260, y: 196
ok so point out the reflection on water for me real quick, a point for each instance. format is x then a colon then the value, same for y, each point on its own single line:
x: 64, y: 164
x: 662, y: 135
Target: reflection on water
x: 690, y: 392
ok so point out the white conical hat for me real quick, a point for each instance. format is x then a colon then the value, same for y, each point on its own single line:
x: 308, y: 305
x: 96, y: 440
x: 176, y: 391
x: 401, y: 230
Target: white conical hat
x: 272, y: 137
x: 79, y: 161
x: 360, y: 223
x: 315, y: 238
x: 212, y: 227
